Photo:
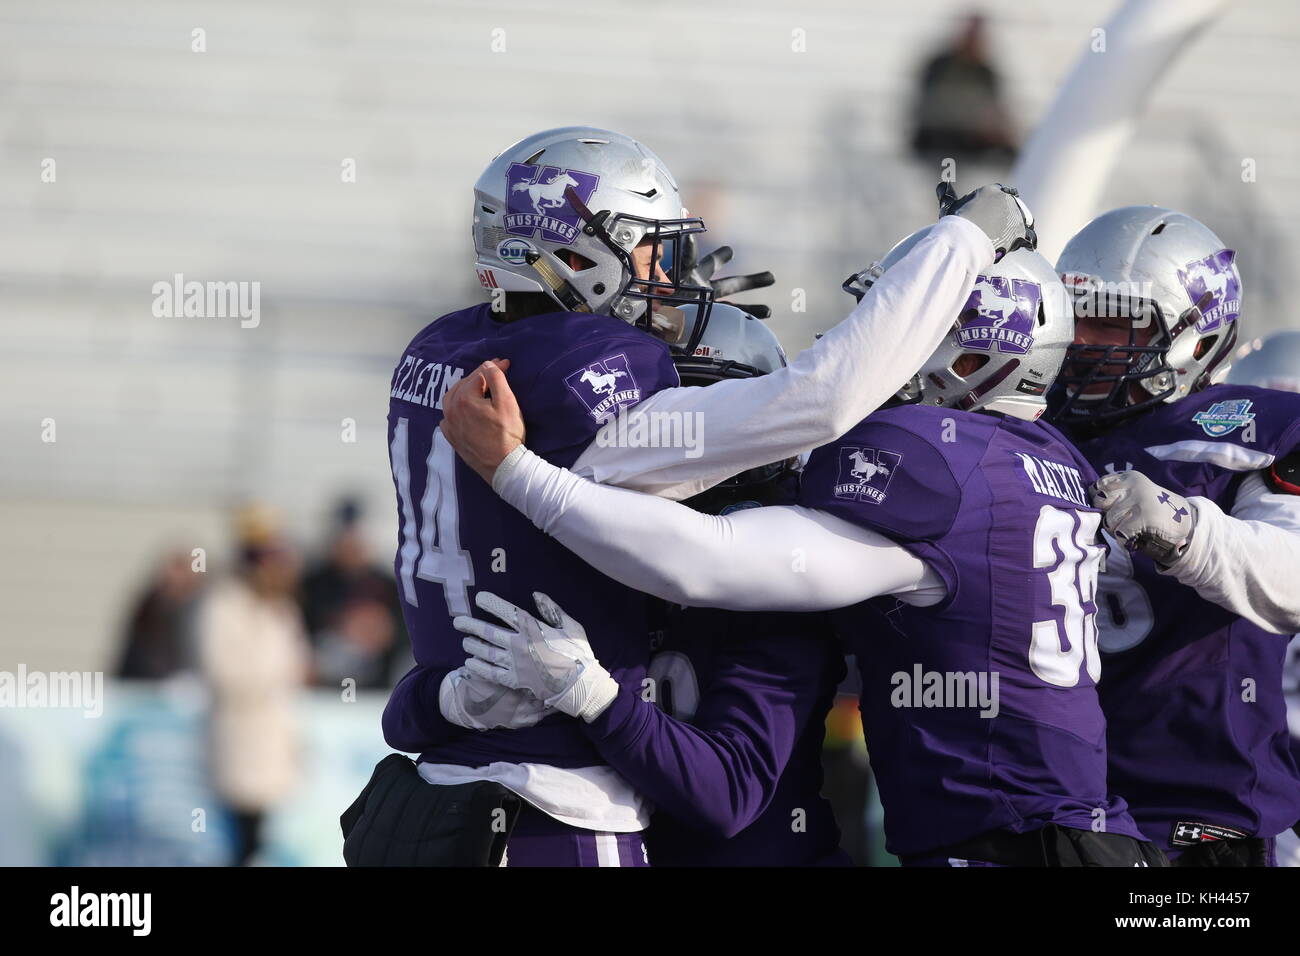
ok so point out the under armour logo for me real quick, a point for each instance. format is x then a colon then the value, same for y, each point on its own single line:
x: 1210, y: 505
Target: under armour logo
x: 1193, y: 833
x: 1111, y: 469
x: 1178, y: 512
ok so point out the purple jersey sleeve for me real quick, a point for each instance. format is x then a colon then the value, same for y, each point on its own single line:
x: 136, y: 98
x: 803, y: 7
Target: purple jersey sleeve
x: 567, y: 399
x: 719, y: 771
x: 413, y: 721
x: 892, y: 480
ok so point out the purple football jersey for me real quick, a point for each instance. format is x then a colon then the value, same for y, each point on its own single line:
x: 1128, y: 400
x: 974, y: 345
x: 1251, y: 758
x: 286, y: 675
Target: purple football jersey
x: 980, y: 712
x: 732, y: 761
x: 571, y: 372
x: 1193, y: 693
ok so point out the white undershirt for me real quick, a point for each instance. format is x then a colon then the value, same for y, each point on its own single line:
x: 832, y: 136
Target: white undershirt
x: 591, y: 798
x: 830, y: 387
x: 786, y: 558
x: 1247, y: 562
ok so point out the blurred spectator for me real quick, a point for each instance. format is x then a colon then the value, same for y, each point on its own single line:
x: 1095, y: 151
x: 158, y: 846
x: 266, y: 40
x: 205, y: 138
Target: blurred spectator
x: 959, y: 111
x: 158, y: 633
x: 254, y: 656
x: 351, y: 607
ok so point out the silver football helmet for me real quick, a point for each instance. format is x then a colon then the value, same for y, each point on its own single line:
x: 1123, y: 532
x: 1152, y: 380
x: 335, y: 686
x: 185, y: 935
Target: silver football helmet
x: 1275, y: 364
x: 1006, y: 345
x: 1151, y: 267
x: 734, y: 344
x: 598, y: 195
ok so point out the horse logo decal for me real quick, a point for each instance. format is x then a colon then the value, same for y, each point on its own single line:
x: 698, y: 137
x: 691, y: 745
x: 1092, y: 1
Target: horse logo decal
x: 535, y: 201
x: 604, y: 387
x: 865, y: 473
x: 1000, y: 313
x: 602, y: 383
x: 864, y: 468
x: 546, y: 196
x: 1213, y: 284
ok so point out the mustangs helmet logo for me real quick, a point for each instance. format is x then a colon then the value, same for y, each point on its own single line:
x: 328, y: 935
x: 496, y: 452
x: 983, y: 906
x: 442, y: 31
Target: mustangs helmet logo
x: 535, y: 201
x: 1004, y: 314
x: 1214, y: 276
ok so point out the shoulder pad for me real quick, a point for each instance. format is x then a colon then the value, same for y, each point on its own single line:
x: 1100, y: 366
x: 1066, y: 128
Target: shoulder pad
x: 887, y: 478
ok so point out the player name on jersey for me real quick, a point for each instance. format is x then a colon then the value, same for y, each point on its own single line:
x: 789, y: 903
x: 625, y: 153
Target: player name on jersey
x: 1054, y: 479
x: 416, y: 381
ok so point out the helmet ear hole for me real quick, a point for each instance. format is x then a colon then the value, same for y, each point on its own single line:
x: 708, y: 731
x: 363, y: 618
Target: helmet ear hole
x: 968, y: 363
x: 577, y: 262
x: 1204, y: 347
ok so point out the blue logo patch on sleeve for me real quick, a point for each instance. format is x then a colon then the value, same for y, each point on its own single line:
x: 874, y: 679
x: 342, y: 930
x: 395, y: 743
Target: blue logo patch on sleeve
x: 1223, y: 418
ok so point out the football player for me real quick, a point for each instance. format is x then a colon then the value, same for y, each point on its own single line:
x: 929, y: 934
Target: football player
x: 725, y: 737
x: 1201, y: 489
x: 965, y: 516
x: 571, y: 225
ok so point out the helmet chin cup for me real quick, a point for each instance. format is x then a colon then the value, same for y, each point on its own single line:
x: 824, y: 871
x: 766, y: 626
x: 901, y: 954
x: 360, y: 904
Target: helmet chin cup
x: 669, y: 325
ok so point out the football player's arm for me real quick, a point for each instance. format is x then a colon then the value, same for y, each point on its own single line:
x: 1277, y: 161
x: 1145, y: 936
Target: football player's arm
x: 413, y: 721
x: 719, y: 772
x: 786, y: 558
x: 824, y: 392
x: 1247, y: 561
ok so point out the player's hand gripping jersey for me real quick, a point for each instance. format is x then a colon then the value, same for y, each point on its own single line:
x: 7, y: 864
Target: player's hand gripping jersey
x: 1193, y: 689
x: 981, y: 711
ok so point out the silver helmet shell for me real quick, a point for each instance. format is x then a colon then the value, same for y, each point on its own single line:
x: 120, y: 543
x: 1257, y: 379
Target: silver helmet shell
x: 734, y: 345
x: 594, y: 193
x: 1275, y: 364
x: 1150, y: 266
x: 1016, y: 320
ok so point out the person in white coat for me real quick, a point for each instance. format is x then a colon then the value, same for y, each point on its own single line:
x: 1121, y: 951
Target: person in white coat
x: 254, y: 657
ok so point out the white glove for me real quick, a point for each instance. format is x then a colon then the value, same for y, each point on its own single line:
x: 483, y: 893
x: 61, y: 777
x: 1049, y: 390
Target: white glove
x: 1143, y: 516
x: 471, y: 702
x: 551, y: 658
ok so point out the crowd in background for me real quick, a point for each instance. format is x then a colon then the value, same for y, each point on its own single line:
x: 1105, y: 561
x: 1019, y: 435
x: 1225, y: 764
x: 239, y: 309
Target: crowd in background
x: 256, y: 635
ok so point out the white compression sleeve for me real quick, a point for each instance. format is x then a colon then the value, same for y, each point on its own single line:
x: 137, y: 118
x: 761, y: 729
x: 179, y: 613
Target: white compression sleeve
x: 825, y: 391
x: 785, y: 558
x: 1249, y: 561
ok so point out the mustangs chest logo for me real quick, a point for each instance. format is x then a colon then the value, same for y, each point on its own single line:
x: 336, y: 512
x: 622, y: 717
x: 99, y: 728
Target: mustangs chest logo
x: 1213, y: 285
x: 604, y: 386
x: 1004, y: 311
x: 1223, y: 418
x: 865, y: 473
x: 535, y: 201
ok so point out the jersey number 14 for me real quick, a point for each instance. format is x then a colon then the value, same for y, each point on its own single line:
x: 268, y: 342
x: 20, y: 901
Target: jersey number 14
x: 430, y: 550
